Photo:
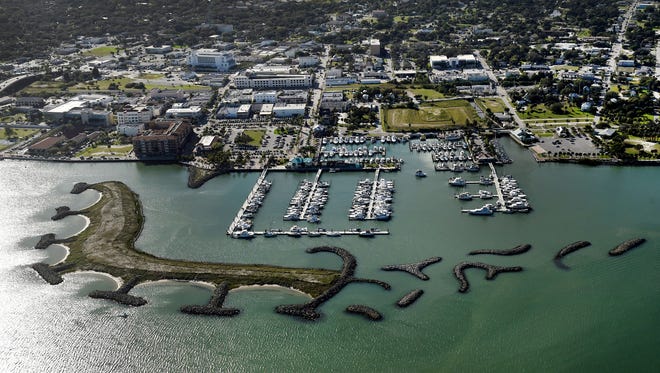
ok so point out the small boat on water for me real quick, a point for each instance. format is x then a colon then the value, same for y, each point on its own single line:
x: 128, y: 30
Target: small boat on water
x: 269, y: 234
x: 420, y: 173
x: 244, y: 234
x: 367, y: 233
x: 484, y: 194
x: 456, y: 181
x: 486, y: 180
x: 314, y: 234
x: 472, y: 167
x: 465, y: 196
x: 332, y: 234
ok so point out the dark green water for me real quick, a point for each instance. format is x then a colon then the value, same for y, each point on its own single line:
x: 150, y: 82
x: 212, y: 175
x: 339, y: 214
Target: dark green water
x: 602, y: 315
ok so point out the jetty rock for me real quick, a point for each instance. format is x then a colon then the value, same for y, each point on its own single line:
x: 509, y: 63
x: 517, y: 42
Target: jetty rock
x: 365, y: 311
x: 410, y: 298
x: 79, y: 188
x: 626, y: 246
x: 575, y: 246
x: 520, y: 249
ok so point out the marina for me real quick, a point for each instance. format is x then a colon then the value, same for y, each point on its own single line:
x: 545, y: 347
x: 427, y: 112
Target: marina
x: 308, y: 200
x: 510, y: 198
x: 372, y: 199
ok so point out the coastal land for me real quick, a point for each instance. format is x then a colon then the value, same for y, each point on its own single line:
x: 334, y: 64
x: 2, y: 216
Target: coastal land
x: 108, y: 246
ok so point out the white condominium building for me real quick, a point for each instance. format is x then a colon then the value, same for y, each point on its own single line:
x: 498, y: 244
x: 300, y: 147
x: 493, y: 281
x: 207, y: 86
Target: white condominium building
x: 211, y: 59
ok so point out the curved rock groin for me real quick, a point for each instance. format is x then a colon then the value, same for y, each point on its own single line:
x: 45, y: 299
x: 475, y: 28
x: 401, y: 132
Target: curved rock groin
x: 410, y: 298
x: 575, y: 246
x: 365, y: 311
x: 414, y: 269
x: 47, y: 273
x: 214, y: 307
x: 62, y: 212
x: 626, y: 246
x: 121, y: 295
x: 308, y: 310
x: 79, y: 188
x: 520, y: 249
x: 492, y: 272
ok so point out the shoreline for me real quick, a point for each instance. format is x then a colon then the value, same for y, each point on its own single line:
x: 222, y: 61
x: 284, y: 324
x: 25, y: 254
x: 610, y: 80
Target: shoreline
x: 270, y: 287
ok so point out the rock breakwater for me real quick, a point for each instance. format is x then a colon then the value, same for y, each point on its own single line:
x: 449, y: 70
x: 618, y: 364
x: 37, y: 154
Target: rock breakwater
x: 575, y: 246
x: 308, y: 310
x: 492, y: 272
x: 410, y: 298
x: 121, y: 295
x: 414, y: 269
x: 365, y: 311
x: 214, y: 307
x: 520, y: 249
x: 626, y: 246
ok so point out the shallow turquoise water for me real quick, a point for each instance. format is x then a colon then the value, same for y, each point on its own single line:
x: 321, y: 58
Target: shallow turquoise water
x: 602, y: 315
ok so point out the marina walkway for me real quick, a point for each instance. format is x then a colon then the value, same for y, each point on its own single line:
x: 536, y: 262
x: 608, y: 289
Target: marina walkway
x: 303, y: 214
x: 498, y: 188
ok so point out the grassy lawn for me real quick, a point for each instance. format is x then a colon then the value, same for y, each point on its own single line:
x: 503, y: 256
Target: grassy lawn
x: 401, y: 19
x: 101, y: 51
x: 43, y: 87
x: 436, y: 115
x: 103, y: 150
x: 430, y: 94
x: 151, y: 76
x: 256, y: 136
x: 121, y: 82
x: 494, y: 104
x: 565, y: 67
x: 18, y: 132
x: 542, y: 112
x: 14, y: 118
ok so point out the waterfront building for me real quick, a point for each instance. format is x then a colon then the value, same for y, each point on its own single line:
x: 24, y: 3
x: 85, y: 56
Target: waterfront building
x: 131, y: 119
x: 162, y: 139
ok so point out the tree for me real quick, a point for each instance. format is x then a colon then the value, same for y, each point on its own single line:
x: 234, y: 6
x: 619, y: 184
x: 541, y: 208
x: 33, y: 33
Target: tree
x: 9, y: 132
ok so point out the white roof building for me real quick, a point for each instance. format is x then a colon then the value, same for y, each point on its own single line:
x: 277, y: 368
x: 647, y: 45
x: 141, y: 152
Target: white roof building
x: 211, y: 59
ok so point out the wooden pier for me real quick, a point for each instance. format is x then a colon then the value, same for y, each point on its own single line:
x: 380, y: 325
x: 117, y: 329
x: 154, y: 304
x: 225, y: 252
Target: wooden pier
x: 241, y: 211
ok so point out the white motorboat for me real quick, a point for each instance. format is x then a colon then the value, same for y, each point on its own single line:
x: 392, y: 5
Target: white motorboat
x: 244, y: 234
x: 456, y: 181
x: 420, y: 173
x: 485, y: 210
x: 484, y: 194
x: 465, y: 196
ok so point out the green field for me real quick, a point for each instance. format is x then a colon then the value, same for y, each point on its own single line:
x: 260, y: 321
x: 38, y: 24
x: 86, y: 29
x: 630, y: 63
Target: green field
x: 103, y: 85
x: 103, y: 150
x: 151, y: 76
x: 437, y: 115
x: 101, y: 51
x: 14, y: 118
x: 256, y: 136
x: 494, y: 104
x: 18, y: 133
x: 542, y: 112
x: 430, y: 94
x: 44, y: 87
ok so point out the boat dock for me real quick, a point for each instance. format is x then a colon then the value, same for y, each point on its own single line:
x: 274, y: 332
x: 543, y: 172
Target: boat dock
x: 498, y: 188
x: 315, y: 183
x: 370, y: 209
x: 255, y: 190
x: 322, y: 232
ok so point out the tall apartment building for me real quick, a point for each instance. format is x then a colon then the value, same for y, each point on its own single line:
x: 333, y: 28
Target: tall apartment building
x: 162, y: 139
x: 130, y: 121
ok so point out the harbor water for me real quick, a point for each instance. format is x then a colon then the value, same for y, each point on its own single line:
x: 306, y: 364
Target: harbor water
x: 601, y: 315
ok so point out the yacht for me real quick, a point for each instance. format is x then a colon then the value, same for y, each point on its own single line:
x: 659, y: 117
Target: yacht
x: 420, y: 173
x: 314, y: 234
x: 472, y: 167
x: 465, y: 196
x: 456, y: 181
x: 332, y: 234
x: 484, y: 194
x: 244, y: 234
x: 486, y: 210
x: 486, y: 180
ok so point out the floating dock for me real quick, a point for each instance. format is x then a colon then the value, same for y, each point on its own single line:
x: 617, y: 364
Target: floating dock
x: 370, y: 209
x: 498, y: 188
x: 303, y: 214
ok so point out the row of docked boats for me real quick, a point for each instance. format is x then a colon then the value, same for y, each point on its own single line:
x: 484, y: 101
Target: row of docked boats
x: 515, y: 199
x: 451, y: 156
x: 372, y: 200
x: 346, y: 152
x: 308, y: 201
x: 467, y: 196
x: 437, y: 146
x: 243, y: 222
x: 297, y: 231
x: 460, y: 182
x: 457, y: 166
x: 337, y: 140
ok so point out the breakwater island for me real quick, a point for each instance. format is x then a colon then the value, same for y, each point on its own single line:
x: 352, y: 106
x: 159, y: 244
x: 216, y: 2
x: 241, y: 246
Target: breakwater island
x: 626, y: 246
x: 491, y: 272
x: 107, y: 245
x: 520, y: 249
x: 575, y: 246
